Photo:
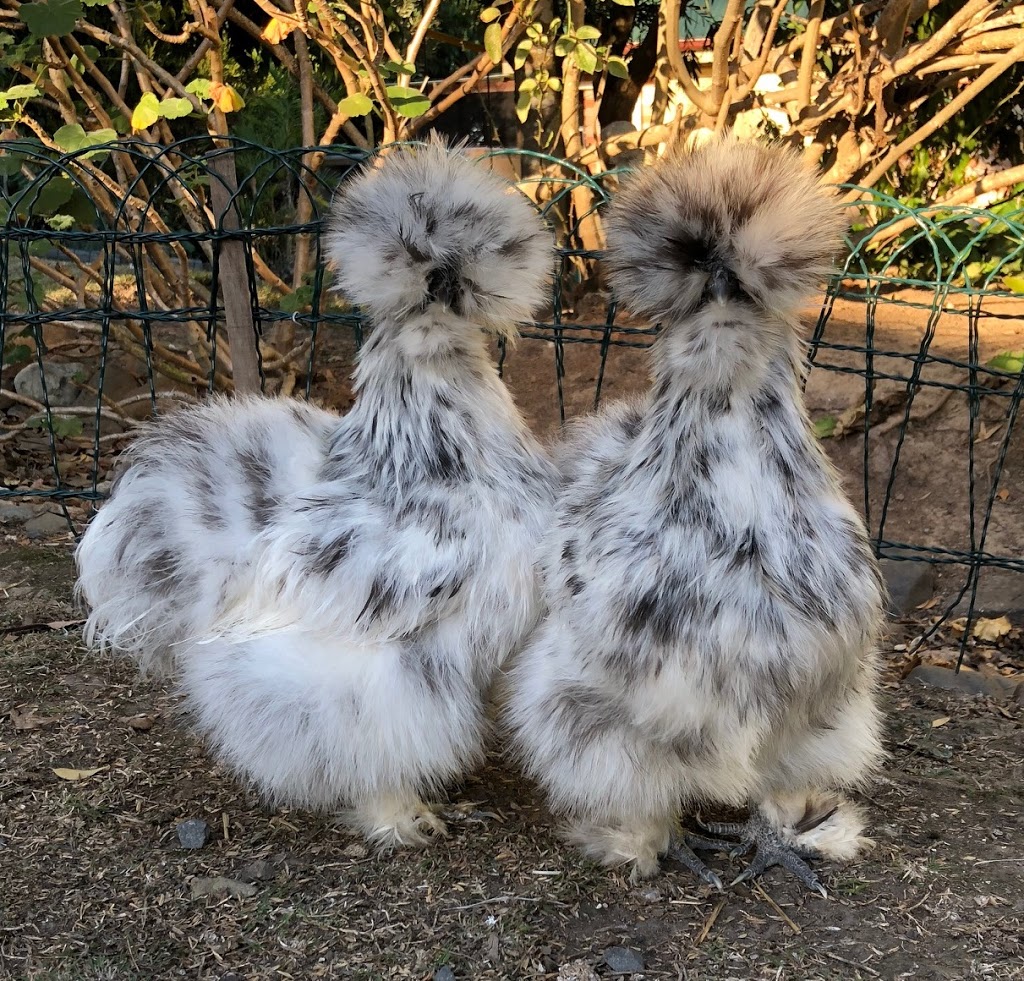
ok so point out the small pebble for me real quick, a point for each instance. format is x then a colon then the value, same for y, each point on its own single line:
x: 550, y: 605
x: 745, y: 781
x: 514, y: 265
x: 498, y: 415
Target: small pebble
x: 218, y: 886
x: 444, y: 974
x: 193, y: 833
x: 259, y: 870
x: 622, y: 960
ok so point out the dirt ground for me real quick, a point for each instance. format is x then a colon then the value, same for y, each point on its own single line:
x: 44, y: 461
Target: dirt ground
x: 95, y: 885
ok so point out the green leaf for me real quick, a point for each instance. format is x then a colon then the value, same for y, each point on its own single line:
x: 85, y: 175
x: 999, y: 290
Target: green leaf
x: 146, y: 112
x: 617, y: 66
x: 825, y: 426
x: 16, y: 92
x: 587, y: 33
x: 52, y: 196
x: 398, y: 67
x: 1012, y: 362
x: 356, y: 105
x: 489, y: 14
x: 407, y: 102
x: 586, y: 58
x: 50, y: 18
x: 63, y: 426
x: 174, y: 108
x: 492, y: 42
x: 564, y: 46
x: 523, y: 102
x: 297, y: 300
x: 18, y: 354
x: 625, y: 3
x: 61, y: 223
x: 1015, y: 284
x: 523, y: 49
x: 73, y: 138
x: 199, y: 87
x: 528, y: 85
x: 554, y: 83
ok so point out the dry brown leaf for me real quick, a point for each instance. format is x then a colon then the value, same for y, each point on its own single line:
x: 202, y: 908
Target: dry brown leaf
x: 1003, y: 495
x: 986, y: 432
x: 68, y: 774
x: 940, y: 722
x: 142, y: 722
x: 993, y: 629
x: 27, y: 719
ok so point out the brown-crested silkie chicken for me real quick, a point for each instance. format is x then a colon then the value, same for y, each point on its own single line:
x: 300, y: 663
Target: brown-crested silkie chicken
x: 336, y: 595
x: 713, y: 604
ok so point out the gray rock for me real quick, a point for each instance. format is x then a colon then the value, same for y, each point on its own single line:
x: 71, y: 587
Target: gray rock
x: 910, y: 584
x: 218, y: 886
x: 46, y: 524
x: 17, y: 512
x: 193, y: 833
x: 61, y: 388
x: 444, y: 974
x: 259, y: 870
x: 968, y: 681
x: 623, y: 960
x: 999, y: 591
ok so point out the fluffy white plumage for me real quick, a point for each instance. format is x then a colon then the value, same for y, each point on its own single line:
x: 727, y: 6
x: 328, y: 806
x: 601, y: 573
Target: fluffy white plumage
x: 713, y: 602
x: 335, y: 595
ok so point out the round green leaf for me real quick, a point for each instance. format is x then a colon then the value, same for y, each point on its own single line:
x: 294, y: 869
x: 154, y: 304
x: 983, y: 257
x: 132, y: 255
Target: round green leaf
x: 825, y: 426
x: 586, y: 58
x: 489, y: 14
x: 407, y: 102
x: 587, y: 33
x: 523, y: 101
x: 625, y: 3
x: 199, y: 87
x: 48, y: 18
x: 1015, y: 284
x: 564, y: 46
x: 617, y: 66
x: 175, y: 108
x: 522, y: 53
x: 356, y: 105
x: 492, y: 42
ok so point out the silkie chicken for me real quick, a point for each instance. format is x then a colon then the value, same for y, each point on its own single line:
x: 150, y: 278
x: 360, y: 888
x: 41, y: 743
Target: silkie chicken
x: 713, y: 603
x: 335, y: 595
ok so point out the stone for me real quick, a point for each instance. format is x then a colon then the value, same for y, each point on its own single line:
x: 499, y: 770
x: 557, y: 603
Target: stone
x: 999, y: 591
x: 968, y: 681
x: 649, y: 894
x: 61, y: 387
x: 258, y: 870
x: 577, y: 971
x: 218, y: 886
x: 46, y: 524
x: 910, y: 584
x: 623, y: 960
x: 17, y: 512
x: 193, y: 833
x: 444, y: 974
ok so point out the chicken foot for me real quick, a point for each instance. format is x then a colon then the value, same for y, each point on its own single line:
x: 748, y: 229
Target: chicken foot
x: 757, y: 834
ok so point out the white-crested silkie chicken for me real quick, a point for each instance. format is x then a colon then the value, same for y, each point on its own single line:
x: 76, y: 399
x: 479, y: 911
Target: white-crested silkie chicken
x: 713, y: 601
x: 335, y: 595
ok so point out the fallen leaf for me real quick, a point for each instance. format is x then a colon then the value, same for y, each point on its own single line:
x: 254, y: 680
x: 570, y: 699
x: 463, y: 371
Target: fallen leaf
x: 67, y: 774
x: 61, y: 624
x: 986, y: 432
x: 928, y: 604
x: 991, y: 629
x: 940, y: 722
x: 27, y: 719
x: 142, y: 722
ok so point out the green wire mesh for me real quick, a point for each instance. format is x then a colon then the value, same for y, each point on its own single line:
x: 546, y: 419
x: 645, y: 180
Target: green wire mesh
x: 119, y: 245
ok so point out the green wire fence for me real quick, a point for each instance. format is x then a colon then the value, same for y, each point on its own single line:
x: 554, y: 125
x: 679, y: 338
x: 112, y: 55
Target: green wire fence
x: 124, y: 262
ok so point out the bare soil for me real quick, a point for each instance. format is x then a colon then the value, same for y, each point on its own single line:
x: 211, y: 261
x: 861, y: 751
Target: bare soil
x: 96, y: 886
